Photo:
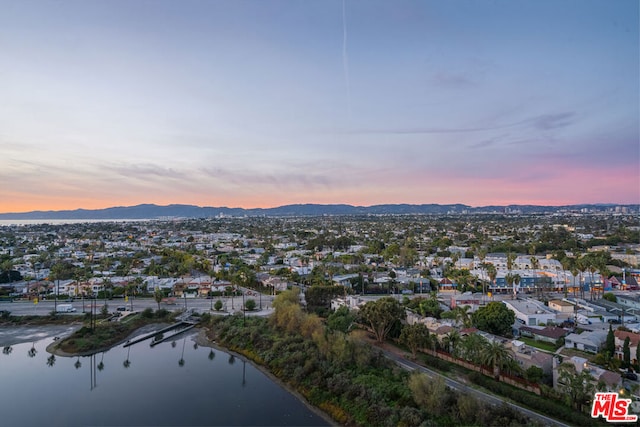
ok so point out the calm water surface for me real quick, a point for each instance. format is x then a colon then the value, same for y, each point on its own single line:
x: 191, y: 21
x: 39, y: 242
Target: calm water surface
x: 172, y: 384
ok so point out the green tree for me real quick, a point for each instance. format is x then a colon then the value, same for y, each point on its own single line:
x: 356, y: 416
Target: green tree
x: 472, y: 348
x: 610, y: 343
x: 429, y: 393
x: 533, y: 374
x: 341, y: 319
x: 415, y: 337
x: 494, y: 318
x: 626, y: 352
x: 497, y: 356
x: 158, y: 296
x: 610, y: 297
x: 577, y: 388
x: 319, y: 298
x: 382, y: 315
x: 218, y: 305
x: 250, y: 304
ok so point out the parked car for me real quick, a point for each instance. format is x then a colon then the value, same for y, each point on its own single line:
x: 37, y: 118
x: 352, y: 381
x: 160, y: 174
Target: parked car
x: 630, y: 376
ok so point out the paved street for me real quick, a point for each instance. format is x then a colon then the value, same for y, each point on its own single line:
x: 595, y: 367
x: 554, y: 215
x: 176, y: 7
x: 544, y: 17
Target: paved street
x: 481, y: 395
x: 230, y: 305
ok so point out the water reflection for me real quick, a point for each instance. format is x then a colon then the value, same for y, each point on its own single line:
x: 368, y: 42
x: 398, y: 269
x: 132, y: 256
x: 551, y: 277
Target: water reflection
x: 210, y: 385
x: 127, y: 362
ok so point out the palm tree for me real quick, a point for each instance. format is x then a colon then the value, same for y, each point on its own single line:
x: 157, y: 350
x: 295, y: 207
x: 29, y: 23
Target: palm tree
x: 493, y: 273
x: 462, y: 315
x: 451, y: 341
x: 7, y: 350
x: 566, y: 265
x: 212, y: 354
x: 496, y: 356
x: 509, y: 278
x: 582, y: 267
x: 535, y: 264
x: 158, y: 296
x: 516, y: 282
x: 78, y: 364
x: 32, y: 351
x: 473, y: 348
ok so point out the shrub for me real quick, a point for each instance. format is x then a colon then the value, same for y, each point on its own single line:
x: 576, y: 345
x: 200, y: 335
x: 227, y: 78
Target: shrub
x: 147, y: 313
x: 250, y: 304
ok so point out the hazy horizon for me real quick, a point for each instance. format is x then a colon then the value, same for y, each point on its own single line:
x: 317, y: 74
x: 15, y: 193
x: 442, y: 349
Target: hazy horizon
x: 264, y: 103
x: 310, y: 203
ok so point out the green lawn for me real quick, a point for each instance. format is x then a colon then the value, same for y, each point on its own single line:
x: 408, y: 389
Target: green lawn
x: 538, y: 344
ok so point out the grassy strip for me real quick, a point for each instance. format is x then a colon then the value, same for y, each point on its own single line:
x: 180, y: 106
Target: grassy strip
x: 107, y: 334
x: 547, y: 346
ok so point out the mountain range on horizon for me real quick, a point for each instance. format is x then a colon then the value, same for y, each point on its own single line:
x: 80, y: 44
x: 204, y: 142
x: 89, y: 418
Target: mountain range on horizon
x: 152, y: 211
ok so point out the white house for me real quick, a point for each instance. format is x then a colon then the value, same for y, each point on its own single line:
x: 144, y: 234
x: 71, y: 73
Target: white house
x: 589, y: 341
x: 530, y: 312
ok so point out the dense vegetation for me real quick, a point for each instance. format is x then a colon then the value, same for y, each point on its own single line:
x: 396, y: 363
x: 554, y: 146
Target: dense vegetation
x: 346, y: 377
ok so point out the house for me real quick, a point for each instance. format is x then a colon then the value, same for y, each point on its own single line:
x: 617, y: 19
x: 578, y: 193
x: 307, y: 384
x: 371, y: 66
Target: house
x: 472, y: 300
x: 530, y: 312
x: 610, y: 381
x: 589, y: 341
x: 561, y: 306
x: 446, y: 285
x: 344, y: 279
x: 550, y: 334
x: 527, y: 356
x: 620, y: 337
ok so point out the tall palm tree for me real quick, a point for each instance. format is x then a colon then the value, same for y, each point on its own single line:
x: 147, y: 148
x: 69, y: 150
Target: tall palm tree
x: 581, y: 264
x: 535, y: 264
x: 509, y: 278
x: 516, y: 282
x: 493, y: 273
x: 566, y: 265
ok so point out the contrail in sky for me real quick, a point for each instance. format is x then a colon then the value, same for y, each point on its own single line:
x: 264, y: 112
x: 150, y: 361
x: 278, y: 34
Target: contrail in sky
x: 345, y: 58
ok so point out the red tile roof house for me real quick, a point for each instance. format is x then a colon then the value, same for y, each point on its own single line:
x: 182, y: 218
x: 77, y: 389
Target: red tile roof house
x: 634, y: 339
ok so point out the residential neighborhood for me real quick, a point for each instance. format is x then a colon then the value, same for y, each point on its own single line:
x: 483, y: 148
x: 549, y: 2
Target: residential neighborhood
x: 568, y: 281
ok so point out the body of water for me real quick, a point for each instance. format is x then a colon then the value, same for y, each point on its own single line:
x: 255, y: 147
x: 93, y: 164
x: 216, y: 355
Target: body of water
x: 14, y: 222
x: 172, y: 384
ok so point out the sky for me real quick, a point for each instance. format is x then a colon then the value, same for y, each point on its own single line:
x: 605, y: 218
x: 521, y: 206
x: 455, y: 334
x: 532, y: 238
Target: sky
x: 263, y: 103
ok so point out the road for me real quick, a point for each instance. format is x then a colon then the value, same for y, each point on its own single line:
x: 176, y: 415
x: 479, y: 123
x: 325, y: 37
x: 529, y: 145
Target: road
x: 202, y: 305
x: 456, y: 385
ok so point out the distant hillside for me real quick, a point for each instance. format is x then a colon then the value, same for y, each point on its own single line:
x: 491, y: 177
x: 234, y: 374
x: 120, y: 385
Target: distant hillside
x: 150, y: 211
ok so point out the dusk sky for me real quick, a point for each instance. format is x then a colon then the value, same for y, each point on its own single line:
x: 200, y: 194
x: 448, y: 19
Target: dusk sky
x: 262, y: 103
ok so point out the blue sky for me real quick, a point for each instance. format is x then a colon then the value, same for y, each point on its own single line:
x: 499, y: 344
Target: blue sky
x: 263, y: 103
